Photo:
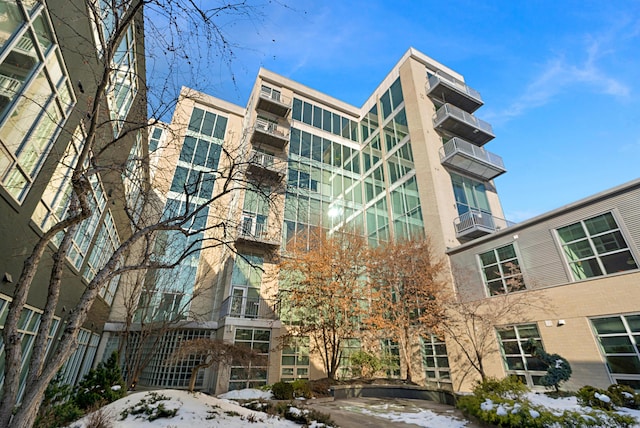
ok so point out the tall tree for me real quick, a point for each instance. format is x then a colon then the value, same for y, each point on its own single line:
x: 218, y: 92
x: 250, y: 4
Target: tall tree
x: 99, y: 154
x: 324, y: 292
x: 408, y: 285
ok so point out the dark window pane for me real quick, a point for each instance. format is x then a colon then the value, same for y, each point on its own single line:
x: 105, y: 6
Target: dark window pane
x: 202, y: 149
x: 600, y: 223
x: 617, y: 345
x: 186, y: 154
x: 515, y: 363
x: 207, y: 124
x: 507, y: 252
x: 609, y: 325
x: 307, y: 113
x: 196, y: 120
x: 630, y: 365
x: 488, y: 258
x: 571, y: 233
x: 221, y: 126
x: 317, y: 117
x: 214, y: 156
x: 326, y: 120
x: 297, y: 109
x: 586, y: 269
x: 618, y: 262
x: 179, y: 179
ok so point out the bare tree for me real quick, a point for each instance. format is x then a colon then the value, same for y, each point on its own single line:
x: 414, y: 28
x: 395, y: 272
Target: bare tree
x: 325, y: 290
x: 471, y: 322
x: 407, y: 282
x: 214, y: 351
x: 100, y: 154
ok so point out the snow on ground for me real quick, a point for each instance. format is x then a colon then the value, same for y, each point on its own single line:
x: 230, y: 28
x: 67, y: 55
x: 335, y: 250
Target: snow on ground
x: 194, y: 410
x: 247, y: 394
x: 416, y: 416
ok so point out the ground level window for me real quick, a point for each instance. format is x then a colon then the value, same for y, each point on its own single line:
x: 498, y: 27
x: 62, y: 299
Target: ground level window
x: 513, y: 342
x: 255, y: 373
x: 434, y: 360
x: 348, y: 348
x: 295, y: 359
x: 391, y: 358
x: 619, y: 338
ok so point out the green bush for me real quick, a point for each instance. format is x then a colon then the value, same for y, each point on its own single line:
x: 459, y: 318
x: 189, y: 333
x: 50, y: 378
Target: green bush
x: 104, y: 384
x: 364, y: 364
x: 558, y: 368
x: 624, y: 396
x: 508, y: 387
x: 301, y: 388
x: 282, y: 391
x: 588, y: 396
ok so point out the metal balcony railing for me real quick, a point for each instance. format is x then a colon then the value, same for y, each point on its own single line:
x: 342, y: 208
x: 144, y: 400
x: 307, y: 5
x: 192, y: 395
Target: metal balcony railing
x: 267, y: 161
x: 461, y: 154
x: 474, y: 224
x: 460, y: 87
x: 453, y: 111
x: 249, y: 307
x: 255, y: 230
x: 9, y: 86
x: 273, y: 101
x: 269, y: 133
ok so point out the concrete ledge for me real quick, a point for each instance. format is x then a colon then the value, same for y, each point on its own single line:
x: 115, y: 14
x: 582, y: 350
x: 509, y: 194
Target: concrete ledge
x: 393, y: 391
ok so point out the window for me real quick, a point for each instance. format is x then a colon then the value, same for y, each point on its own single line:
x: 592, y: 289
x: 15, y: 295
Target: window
x: 619, y: 338
x: 348, y: 347
x: 501, y: 270
x: 595, y: 247
x: 435, y: 360
x: 35, y: 100
x: 123, y: 85
x: 104, y: 247
x: 255, y: 373
x: 80, y: 362
x: 391, y: 358
x: 470, y: 195
x: 518, y: 362
x: 295, y: 359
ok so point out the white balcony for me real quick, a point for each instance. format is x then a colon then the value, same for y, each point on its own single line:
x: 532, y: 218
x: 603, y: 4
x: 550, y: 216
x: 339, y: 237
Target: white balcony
x: 471, y: 159
x: 451, y: 90
x: 273, y: 101
x: 253, y: 230
x: 266, y: 166
x: 474, y: 224
x: 458, y: 122
x: 249, y: 307
x: 269, y: 133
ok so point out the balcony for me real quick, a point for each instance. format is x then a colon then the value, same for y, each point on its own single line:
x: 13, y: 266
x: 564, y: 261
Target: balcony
x: 474, y: 224
x: 265, y: 132
x: 458, y: 122
x: 263, y: 165
x: 9, y: 86
x: 273, y: 101
x: 471, y: 159
x: 451, y: 90
x: 253, y: 230
x: 249, y: 307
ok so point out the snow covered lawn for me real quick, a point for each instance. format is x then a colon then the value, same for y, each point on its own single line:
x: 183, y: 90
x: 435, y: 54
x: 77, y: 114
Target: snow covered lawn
x: 193, y: 411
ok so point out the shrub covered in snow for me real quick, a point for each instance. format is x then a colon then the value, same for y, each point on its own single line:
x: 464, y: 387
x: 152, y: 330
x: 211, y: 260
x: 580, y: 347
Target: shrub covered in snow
x: 624, y: 396
x: 495, y: 403
x: 594, y: 397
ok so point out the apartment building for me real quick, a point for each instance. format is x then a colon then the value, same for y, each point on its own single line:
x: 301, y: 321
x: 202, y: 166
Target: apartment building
x: 50, y: 63
x: 410, y: 162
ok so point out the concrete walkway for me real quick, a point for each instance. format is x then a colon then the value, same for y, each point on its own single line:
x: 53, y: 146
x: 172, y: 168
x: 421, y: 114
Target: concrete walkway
x: 360, y: 412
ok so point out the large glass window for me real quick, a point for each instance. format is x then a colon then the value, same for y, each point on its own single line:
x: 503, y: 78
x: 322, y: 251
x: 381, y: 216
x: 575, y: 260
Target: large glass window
x: 435, y: 360
x: 348, y: 347
x: 596, y: 247
x: 254, y: 374
x: 324, y: 119
x: 513, y: 342
x: 619, y: 338
x: 391, y: 357
x: 104, y: 247
x: 34, y: 97
x: 124, y: 80
x: 501, y: 270
x: 295, y: 359
x: 470, y: 195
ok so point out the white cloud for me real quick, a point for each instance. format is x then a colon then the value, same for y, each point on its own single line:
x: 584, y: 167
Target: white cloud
x: 560, y: 75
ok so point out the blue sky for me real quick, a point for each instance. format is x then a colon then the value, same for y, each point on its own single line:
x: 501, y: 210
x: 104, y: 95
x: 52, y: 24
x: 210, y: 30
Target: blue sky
x: 560, y: 79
